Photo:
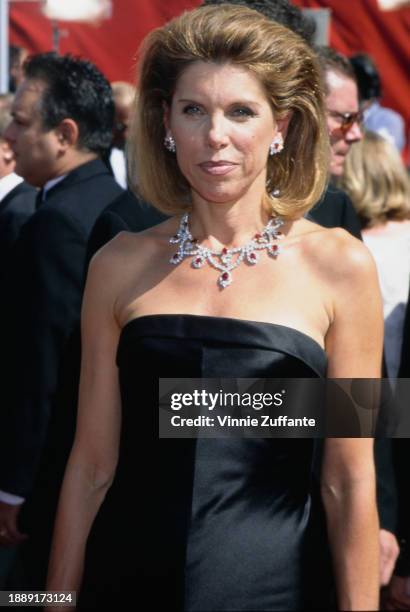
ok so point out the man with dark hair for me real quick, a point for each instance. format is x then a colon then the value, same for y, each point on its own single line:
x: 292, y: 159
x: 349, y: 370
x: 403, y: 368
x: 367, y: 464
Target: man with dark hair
x: 330, y: 59
x: 66, y: 102
x: 62, y: 121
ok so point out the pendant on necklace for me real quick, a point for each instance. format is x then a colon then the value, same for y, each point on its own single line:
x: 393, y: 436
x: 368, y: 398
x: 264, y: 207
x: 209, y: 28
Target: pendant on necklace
x: 226, y: 260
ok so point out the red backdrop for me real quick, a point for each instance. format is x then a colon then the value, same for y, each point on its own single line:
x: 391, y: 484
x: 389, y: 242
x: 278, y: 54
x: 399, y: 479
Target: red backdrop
x: 357, y: 25
x: 111, y: 45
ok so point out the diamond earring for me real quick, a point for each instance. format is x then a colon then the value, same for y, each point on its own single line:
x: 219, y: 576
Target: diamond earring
x: 169, y: 143
x: 276, y: 145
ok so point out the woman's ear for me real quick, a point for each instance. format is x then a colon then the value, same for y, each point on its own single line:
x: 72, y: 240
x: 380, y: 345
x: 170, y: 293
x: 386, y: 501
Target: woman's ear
x: 283, y: 124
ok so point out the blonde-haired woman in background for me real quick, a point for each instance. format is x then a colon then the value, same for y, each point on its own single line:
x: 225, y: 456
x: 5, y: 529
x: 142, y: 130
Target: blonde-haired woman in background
x: 378, y: 184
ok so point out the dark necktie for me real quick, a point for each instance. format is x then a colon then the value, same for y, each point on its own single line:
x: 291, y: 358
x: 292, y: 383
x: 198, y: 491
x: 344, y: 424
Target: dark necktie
x: 40, y: 197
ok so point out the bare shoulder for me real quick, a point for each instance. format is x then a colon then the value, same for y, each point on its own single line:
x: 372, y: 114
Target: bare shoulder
x: 117, y: 271
x: 346, y: 257
x: 337, y: 255
x: 354, y: 338
x: 129, y: 249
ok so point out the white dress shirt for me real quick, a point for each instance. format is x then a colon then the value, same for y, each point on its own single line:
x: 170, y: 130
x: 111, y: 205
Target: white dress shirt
x: 8, y: 183
x: 119, y: 166
x: 390, y: 247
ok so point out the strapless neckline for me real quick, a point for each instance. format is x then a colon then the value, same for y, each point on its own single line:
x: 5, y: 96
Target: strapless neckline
x: 224, y: 328
x: 211, y: 318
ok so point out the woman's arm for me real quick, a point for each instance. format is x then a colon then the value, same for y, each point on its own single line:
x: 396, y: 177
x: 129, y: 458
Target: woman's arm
x: 349, y: 497
x: 92, y: 462
x: 354, y: 346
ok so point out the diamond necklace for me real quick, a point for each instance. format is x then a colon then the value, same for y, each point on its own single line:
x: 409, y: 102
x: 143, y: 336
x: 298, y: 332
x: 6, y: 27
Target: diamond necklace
x: 225, y: 260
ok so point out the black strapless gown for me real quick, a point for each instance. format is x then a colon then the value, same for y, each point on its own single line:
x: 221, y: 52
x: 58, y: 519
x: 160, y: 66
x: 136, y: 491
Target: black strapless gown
x: 207, y: 524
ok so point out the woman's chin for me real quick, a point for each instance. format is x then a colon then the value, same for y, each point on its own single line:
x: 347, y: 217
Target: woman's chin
x: 217, y: 196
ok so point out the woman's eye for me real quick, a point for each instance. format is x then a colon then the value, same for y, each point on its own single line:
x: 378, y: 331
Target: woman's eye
x: 243, y: 112
x: 192, y: 109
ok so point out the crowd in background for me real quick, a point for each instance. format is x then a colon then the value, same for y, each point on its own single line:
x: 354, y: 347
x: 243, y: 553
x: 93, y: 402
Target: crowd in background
x: 65, y: 192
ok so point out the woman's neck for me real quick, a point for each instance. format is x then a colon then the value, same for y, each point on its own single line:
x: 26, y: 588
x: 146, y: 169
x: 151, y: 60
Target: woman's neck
x: 227, y: 224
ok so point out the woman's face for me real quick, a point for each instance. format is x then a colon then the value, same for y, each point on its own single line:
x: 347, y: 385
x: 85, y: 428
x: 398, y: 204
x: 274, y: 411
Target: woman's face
x: 222, y: 124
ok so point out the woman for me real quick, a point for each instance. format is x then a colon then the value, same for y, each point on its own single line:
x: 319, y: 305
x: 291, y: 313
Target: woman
x: 378, y: 184
x: 230, y: 129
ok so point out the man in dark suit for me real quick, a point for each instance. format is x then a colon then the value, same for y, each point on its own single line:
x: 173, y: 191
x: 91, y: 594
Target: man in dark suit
x: 62, y: 126
x: 17, y: 198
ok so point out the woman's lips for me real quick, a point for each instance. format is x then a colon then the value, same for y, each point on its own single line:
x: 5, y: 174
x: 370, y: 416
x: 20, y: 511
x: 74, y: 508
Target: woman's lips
x: 217, y: 168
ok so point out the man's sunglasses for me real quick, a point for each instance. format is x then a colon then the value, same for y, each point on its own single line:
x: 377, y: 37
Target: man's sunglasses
x: 346, y: 120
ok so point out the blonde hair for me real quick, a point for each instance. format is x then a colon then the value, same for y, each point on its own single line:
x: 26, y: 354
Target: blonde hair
x: 287, y: 69
x: 376, y: 180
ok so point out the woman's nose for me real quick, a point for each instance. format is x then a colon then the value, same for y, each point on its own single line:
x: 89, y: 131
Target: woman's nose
x: 217, y: 135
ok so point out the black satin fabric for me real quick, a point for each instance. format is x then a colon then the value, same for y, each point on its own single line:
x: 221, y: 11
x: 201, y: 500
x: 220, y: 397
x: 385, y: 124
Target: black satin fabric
x: 212, y: 524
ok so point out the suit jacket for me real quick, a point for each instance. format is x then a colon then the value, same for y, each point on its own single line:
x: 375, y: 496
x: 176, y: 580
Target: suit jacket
x: 335, y: 209
x: 126, y: 213
x: 41, y: 308
x: 15, y: 209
